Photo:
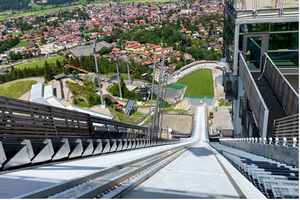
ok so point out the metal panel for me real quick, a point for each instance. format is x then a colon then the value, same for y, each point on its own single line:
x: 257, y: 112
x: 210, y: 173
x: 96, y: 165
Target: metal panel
x: 106, y: 146
x: 45, y: 154
x: 89, y: 149
x: 133, y: 142
x: 98, y: 148
x: 63, y: 151
x: 120, y: 145
x: 256, y: 101
x: 129, y: 144
x: 113, y: 144
x: 147, y: 143
x: 125, y: 146
x: 2, y: 155
x: 22, y: 157
x: 77, y: 151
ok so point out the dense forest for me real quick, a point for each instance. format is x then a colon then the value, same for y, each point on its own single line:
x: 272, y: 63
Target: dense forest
x: 48, y: 71
x: 14, y: 5
x: 56, y: 2
x: 7, y: 44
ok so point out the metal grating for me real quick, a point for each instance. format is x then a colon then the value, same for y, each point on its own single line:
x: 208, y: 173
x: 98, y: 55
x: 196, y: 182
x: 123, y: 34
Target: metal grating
x: 262, y: 172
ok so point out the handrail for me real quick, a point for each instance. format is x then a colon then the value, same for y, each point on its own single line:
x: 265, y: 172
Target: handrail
x: 277, y: 82
x: 260, y: 109
x: 253, y: 6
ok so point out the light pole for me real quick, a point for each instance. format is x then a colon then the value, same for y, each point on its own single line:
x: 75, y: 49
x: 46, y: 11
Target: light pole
x: 153, y: 77
x: 128, y: 71
x: 164, y: 98
x: 116, y: 59
x: 155, y: 118
x: 99, y: 84
x: 184, y: 59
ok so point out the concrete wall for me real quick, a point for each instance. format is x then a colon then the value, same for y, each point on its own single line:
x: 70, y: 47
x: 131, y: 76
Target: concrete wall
x: 237, y: 123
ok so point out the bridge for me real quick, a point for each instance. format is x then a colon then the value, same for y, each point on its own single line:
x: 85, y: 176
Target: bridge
x: 48, y: 152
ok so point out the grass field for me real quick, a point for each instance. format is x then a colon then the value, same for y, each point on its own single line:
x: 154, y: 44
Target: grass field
x: 177, y: 86
x: 200, y: 84
x: 121, y: 116
x: 40, y: 63
x: 23, y: 43
x: 16, y: 89
x: 15, y: 33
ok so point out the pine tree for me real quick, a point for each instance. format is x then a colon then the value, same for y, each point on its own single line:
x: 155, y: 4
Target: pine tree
x: 47, y: 71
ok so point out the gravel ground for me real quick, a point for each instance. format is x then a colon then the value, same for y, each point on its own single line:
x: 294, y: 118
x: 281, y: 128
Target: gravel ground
x: 180, y: 123
x: 183, y: 105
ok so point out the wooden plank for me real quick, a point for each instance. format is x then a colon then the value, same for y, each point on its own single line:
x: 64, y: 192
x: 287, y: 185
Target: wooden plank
x: 25, y: 111
x: 296, y: 116
x: 25, y: 124
x: 287, y: 128
x: 287, y: 121
x: 288, y: 131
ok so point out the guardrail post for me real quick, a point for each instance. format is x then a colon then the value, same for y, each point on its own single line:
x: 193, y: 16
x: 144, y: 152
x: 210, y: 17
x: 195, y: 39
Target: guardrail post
x: 270, y: 140
x: 277, y: 141
x: 284, y: 142
x: 294, y: 142
x: 264, y: 140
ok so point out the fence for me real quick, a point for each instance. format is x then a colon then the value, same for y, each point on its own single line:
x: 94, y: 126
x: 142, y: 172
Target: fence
x: 263, y: 7
x: 287, y: 127
x: 285, y: 93
x: 260, y: 110
x: 23, y: 119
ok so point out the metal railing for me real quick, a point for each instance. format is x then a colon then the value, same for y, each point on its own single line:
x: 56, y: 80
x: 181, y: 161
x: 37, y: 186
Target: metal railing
x: 285, y: 93
x: 178, y: 134
x: 258, y: 105
x: 287, y: 127
x: 252, y: 7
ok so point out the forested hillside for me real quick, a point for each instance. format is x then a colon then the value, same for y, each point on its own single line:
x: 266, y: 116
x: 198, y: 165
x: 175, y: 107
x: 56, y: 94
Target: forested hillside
x: 14, y: 5
x: 56, y: 2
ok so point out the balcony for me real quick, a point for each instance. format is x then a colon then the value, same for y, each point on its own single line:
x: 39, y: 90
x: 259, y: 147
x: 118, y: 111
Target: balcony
x: 260, y: 8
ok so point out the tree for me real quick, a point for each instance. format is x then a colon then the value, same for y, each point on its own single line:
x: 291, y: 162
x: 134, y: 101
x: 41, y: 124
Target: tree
x: 19, y: 56
x: 43, y: 41
x: 12, y: 55
x: 47, y: 71
x: 166, y: 62
x: 44, y: 29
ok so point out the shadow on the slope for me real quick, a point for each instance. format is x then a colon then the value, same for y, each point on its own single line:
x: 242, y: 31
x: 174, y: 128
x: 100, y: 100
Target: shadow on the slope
x: 200, y: 151
x: 67, y: 167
